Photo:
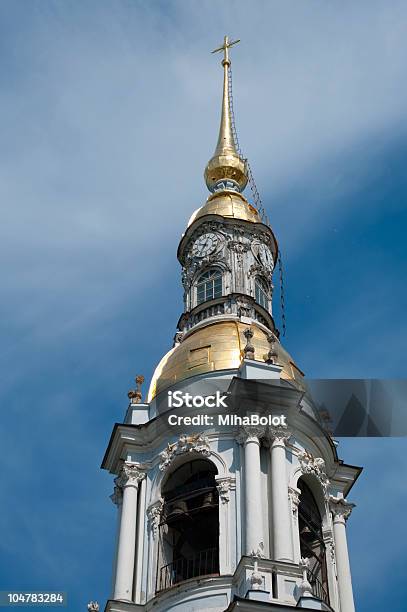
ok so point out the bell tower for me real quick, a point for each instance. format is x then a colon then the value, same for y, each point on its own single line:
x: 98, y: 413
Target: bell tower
x: 240, y: 514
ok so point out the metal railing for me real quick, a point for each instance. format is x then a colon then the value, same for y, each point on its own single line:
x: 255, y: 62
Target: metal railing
x: 317, y: 588
x: 203, y: 563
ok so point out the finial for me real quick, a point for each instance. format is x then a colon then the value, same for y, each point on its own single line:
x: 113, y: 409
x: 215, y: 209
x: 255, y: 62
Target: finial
x: 134, y: 395
x: 93, y: 606
x: 305, y: 587
x: 248, y: 350
x: 271, y: 356
x: 226, y: 170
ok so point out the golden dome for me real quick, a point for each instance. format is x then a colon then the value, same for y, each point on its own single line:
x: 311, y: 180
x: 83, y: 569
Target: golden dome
x: 217, y: 346
x: 229, y: 204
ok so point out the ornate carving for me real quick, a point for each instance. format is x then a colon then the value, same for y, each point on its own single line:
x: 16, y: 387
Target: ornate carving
x: 250, y: 433
x: 130, y: 475
x: 248, y: 350
x: 117, y: 496
x: 154, y: 515
x: 279, y: 435
x: 178, y: 338
x: 188, y: 273
x: 330, y: 545
x: 224, y: 485
x: 93, y: 606
x: 134, y: 395
x: 340, y: 507
x: 244, y: 307
x: 258, y: 269
x: 197, y: 443
x: 256, y: 579
x: 294, y: 499
x: 238, y: 247
x: 315, y: 466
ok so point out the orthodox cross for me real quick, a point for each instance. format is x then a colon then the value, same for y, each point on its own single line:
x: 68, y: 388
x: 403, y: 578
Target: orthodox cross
x: 225, y: 48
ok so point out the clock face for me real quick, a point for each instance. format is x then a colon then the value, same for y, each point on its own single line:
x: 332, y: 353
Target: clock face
x: 205, y: 244
x: 265, y: 256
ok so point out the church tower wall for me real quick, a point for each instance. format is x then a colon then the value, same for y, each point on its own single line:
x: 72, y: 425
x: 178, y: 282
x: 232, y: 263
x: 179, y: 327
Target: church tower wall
x: 228, y: 517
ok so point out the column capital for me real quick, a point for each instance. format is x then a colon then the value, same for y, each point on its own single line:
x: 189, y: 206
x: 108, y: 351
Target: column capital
x: 130, y: 476
x: 341, y: 509
x: 279, y: 435
x: 250, y: 433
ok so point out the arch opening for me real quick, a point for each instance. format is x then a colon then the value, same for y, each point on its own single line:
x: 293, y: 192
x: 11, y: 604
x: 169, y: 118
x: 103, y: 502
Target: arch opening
x: 312, y: 542
x: 189, y: 526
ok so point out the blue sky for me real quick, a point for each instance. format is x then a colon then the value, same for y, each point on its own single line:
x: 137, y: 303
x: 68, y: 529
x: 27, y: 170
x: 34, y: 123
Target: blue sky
x: 109, y: 113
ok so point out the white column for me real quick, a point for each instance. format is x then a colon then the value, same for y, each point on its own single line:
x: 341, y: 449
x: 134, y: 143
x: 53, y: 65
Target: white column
x: 128, y: 480
x: 117, y: 499
x: 282, y: 524
x: 341, y: 510
x: 254, y: 543
x: 140, y: 541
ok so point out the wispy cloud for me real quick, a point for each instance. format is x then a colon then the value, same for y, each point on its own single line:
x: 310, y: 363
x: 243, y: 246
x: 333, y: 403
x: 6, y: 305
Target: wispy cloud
x: 109, y: 115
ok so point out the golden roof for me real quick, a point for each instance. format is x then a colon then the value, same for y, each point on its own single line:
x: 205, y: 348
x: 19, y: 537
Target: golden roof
x: 226, y: 163
x: 229, y: 204
x: 217, y: 346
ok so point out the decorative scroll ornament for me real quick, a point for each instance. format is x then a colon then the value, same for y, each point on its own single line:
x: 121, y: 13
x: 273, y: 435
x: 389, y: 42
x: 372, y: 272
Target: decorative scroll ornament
x: 93, y: 606
x: 197, y: 443
x: 131, y: 475
x: 248, y: 350
x: 117, y: 496
x: 294, y: 499
x: 134, y: 395
x: 340, y: 508
x: 315, y: 466
x: 154, y: 515
x: 224, y: 485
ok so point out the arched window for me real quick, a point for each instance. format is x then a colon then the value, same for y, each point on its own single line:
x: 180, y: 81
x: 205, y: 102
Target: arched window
x: 261, y: 292
x: 189, y: 529
x: 312, y: 542
x: 209, y: 285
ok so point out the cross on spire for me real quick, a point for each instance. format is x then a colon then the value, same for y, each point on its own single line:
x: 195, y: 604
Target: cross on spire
x: 225, y: 48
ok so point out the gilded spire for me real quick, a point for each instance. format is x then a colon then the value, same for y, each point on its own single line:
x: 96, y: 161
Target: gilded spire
x: 226, y: 170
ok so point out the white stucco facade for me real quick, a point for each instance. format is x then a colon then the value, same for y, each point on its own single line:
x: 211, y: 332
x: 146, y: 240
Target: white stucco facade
x: 258, y: 469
